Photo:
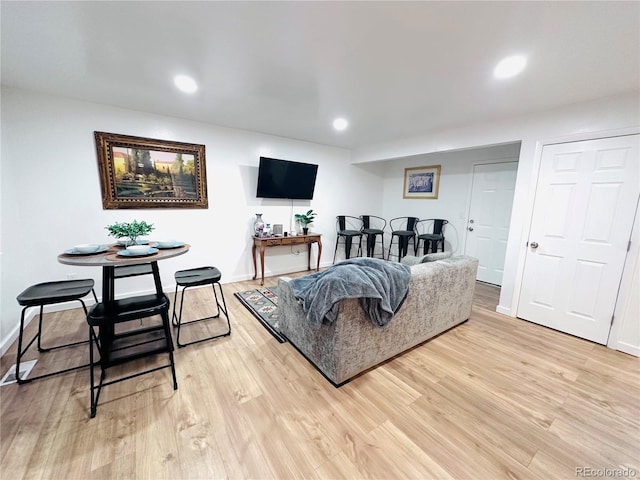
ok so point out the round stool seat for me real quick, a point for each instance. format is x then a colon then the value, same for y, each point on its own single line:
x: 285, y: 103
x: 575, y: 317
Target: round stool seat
x: 197, y: 276
x: 55, y: 292
x: 350, y: 233
x: 372, y: 231
x: 404, y: 233
x: 430, y: 236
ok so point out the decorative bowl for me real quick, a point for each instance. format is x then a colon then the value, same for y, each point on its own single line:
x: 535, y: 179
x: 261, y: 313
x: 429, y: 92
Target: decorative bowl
x: 87, y: 247
x: 166, y: 243
x: 138, y: 249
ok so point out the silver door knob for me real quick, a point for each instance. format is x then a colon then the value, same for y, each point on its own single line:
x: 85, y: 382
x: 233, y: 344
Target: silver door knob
x: 470, y: 229
x: 534, y: 245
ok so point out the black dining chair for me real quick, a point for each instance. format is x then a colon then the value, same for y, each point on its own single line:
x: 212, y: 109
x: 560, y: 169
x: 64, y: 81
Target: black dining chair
x: 430, y: 231
x: 372, y: 228
x: 403, y: 229
x: 348, y: 228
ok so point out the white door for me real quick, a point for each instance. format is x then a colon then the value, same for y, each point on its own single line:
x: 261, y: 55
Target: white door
x: 489, y: 217
x: 584, y: 208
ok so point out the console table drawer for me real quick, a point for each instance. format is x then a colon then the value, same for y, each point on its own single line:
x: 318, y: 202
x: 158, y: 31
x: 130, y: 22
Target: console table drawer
x: 286, y: 241
x: 292, y: 241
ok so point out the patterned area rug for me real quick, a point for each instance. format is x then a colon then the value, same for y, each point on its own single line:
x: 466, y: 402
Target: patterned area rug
x: 263, y: 304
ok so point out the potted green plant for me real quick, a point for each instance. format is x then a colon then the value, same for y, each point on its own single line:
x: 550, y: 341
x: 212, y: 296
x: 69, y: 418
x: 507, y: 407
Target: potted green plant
x: 130, y: 230
x: 305, y: 219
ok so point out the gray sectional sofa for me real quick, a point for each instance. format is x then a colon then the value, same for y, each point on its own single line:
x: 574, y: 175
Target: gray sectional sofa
x: 440, y: 296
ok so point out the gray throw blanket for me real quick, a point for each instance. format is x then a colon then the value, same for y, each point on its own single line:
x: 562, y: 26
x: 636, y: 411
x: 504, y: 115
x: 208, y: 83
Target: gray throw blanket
x: 380, y: 285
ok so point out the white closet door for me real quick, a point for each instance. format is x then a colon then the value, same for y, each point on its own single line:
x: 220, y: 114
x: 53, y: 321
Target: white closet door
x: 584, y: 209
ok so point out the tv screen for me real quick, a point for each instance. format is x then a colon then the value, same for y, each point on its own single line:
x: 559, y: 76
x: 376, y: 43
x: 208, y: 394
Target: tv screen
x: 286, y: 179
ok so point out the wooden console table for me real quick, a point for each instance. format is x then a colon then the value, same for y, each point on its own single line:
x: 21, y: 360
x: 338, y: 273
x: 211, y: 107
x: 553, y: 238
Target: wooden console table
x: 264, y: 242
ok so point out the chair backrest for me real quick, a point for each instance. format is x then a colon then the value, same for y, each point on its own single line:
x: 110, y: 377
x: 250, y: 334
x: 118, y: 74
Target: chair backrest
x: 371, y: 221
x: 347, y: 222
x: 437, y: 225
x: 403, y: 223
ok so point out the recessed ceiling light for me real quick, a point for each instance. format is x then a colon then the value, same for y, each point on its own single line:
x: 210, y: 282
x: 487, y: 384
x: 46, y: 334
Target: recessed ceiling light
x: 185, y: 83
x: 340, y: 124
x: 510, y: 66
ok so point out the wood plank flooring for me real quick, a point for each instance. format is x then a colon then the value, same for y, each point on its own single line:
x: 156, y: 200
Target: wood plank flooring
x: 493, y: 398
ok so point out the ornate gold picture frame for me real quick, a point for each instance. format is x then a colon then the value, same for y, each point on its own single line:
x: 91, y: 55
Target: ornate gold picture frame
x: 138, y: 172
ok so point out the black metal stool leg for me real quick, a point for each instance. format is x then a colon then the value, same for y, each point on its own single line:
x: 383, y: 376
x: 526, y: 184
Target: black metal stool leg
x: 38, y: 336
x: 402, y: 247
x: 178, y: 320
x: 347, y: 246
x: 94, y: 401
x: 224, y: 306
x: 167, y: 331
x: 371, y: 244
x: 174, y: 319
x: 390, y: 247
x: 20, y: 352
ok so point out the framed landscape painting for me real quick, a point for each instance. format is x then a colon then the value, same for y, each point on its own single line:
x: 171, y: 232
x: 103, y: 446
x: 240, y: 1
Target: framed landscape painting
x: 138, y: 172
x: 421, y: 182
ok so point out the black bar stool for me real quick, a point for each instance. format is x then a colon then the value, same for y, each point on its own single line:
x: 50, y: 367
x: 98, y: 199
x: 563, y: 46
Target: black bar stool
x: 404, y: 229
x: 116, y: 348
x: 197, y: 277
x: 435, y: 238
x: 373, y: 226
x: 50, y: 293
x: 348, y: 228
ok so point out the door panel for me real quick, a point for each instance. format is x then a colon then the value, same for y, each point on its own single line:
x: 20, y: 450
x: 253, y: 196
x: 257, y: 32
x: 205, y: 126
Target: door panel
x: 584, y: 208
x: 489, y: 218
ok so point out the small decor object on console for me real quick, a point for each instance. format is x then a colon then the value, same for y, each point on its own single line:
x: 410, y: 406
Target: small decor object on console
x: 130, y: 230
x: 258, y: 225
x: 305, y: 219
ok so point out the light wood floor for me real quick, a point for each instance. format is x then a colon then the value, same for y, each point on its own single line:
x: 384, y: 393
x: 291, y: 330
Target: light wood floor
x: 493, y: 398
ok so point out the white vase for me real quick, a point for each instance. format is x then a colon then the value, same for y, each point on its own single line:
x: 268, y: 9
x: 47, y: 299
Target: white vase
x: 258, y: 225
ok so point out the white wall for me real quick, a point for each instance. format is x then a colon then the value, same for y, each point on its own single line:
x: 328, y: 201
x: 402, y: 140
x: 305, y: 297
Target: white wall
x: 50, y: 195
x: 610, y: 115
x: 456, y: 176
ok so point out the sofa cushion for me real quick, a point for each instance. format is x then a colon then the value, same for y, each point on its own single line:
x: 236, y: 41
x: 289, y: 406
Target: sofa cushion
x: 429, y: 257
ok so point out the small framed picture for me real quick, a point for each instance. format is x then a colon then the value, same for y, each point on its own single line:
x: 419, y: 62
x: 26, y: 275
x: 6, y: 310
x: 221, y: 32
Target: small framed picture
x: 421, y: 182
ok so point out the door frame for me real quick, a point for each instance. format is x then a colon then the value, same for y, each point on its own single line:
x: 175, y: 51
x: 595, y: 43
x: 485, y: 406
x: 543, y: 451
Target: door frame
x: 526, y: 229
x: 625, y: 291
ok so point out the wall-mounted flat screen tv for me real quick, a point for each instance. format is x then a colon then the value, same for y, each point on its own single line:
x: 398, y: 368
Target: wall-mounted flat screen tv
x: 286, y: 179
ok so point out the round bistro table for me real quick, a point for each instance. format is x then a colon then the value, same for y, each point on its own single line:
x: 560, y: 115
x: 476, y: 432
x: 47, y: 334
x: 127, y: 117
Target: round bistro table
x: 112, y: 265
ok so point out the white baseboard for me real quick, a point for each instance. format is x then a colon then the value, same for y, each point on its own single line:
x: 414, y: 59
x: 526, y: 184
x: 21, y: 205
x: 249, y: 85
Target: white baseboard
x: 626, y: 348
x: 505, y: 311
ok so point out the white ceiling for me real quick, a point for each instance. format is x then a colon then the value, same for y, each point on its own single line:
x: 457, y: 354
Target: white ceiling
x: 394, y: 69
